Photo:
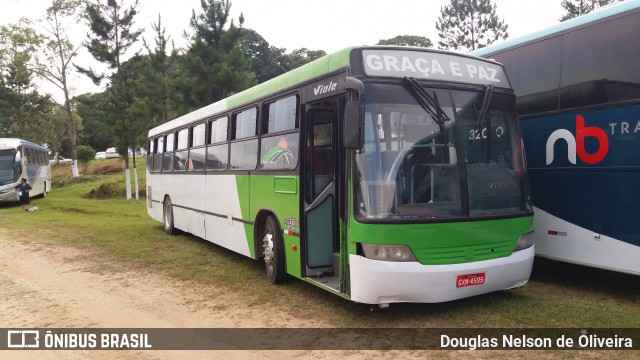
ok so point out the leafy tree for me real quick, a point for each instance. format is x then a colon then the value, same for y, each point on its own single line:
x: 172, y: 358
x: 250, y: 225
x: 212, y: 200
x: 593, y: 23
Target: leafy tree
x: 299, y: 57
x: 23, y: 112
x: 85, y: 155
x: 469, y: 24
x: 54, y: 65
x: 95, y: 111
x: 111, y: 35
x: 576, y: 8
x: 215, y: 65
x: 257, y: 49
x: 407, y: 40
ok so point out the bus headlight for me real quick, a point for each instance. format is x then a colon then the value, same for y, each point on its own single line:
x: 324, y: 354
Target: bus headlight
x: 400, y: 253
x: 525, y: 241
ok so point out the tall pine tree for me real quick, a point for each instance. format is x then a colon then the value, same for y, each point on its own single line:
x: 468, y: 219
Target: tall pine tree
x: 215, y: 66
x: 469, y: 24
x: 111, y: 35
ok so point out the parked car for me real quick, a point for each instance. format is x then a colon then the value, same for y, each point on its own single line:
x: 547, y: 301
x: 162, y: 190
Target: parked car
x: 61, y: 160
x: 111, y: 153
x: 101, y: 155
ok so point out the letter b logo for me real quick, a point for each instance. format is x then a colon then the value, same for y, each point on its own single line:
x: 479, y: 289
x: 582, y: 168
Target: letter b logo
x: 584, y: 131
x: 575, y: 145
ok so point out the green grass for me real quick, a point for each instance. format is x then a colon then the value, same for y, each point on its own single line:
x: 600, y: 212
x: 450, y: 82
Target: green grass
x: 558, y: 295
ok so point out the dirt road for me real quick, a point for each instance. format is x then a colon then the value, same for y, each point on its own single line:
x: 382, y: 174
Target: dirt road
x: 60, y: 287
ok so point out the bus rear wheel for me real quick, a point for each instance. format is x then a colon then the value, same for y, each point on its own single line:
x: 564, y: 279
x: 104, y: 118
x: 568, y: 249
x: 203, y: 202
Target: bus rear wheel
x: 274, y: 259
x: 167, y: 217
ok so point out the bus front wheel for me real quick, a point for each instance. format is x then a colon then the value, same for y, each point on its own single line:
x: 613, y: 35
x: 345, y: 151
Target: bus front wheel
x: 167, y: 217
x: 274, y: 260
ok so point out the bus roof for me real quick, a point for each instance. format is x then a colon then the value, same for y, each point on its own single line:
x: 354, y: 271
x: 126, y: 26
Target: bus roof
x: 577, y: 22
x: 14, y: 142
x: 322, y: 66
x: 318, y: 67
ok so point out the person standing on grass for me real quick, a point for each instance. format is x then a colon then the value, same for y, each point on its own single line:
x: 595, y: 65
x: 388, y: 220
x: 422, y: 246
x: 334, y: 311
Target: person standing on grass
x: 23, y: 194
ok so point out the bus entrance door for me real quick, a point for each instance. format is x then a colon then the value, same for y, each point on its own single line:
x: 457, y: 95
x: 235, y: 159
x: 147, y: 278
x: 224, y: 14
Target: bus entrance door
x: 319, y: 196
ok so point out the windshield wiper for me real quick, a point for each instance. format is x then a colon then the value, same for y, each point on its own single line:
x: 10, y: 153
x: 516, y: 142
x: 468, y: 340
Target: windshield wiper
x: 429, y: 103
x: 484, y: 109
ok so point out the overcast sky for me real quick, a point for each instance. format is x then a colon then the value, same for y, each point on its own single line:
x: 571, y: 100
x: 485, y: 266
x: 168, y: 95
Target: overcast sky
x: 328, y: 25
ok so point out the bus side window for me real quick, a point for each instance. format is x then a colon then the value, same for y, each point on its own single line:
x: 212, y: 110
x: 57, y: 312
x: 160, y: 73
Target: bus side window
x: 244, y: 154
x: 150, y: 154
x: 157, y: 157
x: 197, y: 150
x: 218, y: 148
x: 280, y: 139
x: 182, y: 152
x: 167, y: 159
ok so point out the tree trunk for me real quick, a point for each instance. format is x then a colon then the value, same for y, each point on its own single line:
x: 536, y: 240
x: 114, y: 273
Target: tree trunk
x: 127, y: 174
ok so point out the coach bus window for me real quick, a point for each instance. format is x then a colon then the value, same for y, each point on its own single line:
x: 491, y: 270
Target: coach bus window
x: 492, y: 154
x: 280, y: 152
x: 197, y: 151
x: 167, y: 159
x: 244, y: 154
x: 280, y: 115
x: 218, y: 130
x: 218, y: 152
x: 151, y: 146
x: 181, y: 155
x: 407, y: 169
x: 609, y: 73
x: 7, y: 170
x: 534, y: 71
x: 157, y: 157
x: 244, y: 124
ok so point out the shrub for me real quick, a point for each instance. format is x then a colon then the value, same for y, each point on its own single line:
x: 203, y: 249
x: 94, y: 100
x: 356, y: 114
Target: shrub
x: 85, y: 155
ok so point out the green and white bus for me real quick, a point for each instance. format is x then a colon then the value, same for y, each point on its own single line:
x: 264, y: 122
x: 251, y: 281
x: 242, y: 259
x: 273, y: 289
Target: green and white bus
x: 381, y: 174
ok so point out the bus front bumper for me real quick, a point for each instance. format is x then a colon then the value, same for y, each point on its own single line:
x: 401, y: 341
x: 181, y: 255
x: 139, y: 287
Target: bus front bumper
x: 383, y: 282
x: 8, y: 195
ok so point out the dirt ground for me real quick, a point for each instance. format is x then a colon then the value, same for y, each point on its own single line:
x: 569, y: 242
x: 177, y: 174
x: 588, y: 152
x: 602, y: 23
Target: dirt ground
x: 63, y: 287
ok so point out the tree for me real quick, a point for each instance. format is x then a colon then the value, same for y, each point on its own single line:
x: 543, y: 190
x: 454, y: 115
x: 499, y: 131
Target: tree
x: 54, y: 65
x: 576, y: 8
x: 23, y: 112
x: 215, y: 65
x: 111, y: 35
x: 407, y: 40
x: 257, y: 49
x: 95, y: 111
x: 156, y: 85
x: 469, y: 24
x: 85, y: 155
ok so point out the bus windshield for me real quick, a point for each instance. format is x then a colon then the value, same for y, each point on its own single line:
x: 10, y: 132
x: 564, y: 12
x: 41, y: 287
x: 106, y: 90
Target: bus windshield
x: 459, y: 157
x: 7, y: 170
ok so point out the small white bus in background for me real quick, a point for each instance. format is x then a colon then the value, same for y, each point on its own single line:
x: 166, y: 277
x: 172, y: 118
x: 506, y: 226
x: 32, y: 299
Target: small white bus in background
x: 23, y: 159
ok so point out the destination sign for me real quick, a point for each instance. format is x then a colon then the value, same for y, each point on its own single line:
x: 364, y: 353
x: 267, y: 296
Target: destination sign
x: 432, y: 66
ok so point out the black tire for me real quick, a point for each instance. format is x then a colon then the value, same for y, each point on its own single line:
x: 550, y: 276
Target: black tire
x: 273, y: 245
x: 167, y: 217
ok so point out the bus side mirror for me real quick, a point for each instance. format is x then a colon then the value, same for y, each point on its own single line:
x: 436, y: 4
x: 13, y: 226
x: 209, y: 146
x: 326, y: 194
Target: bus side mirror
x: 352, y: 130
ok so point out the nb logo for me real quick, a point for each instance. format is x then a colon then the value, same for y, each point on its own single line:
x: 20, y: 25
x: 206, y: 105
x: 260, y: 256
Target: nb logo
x: 575, y: 144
